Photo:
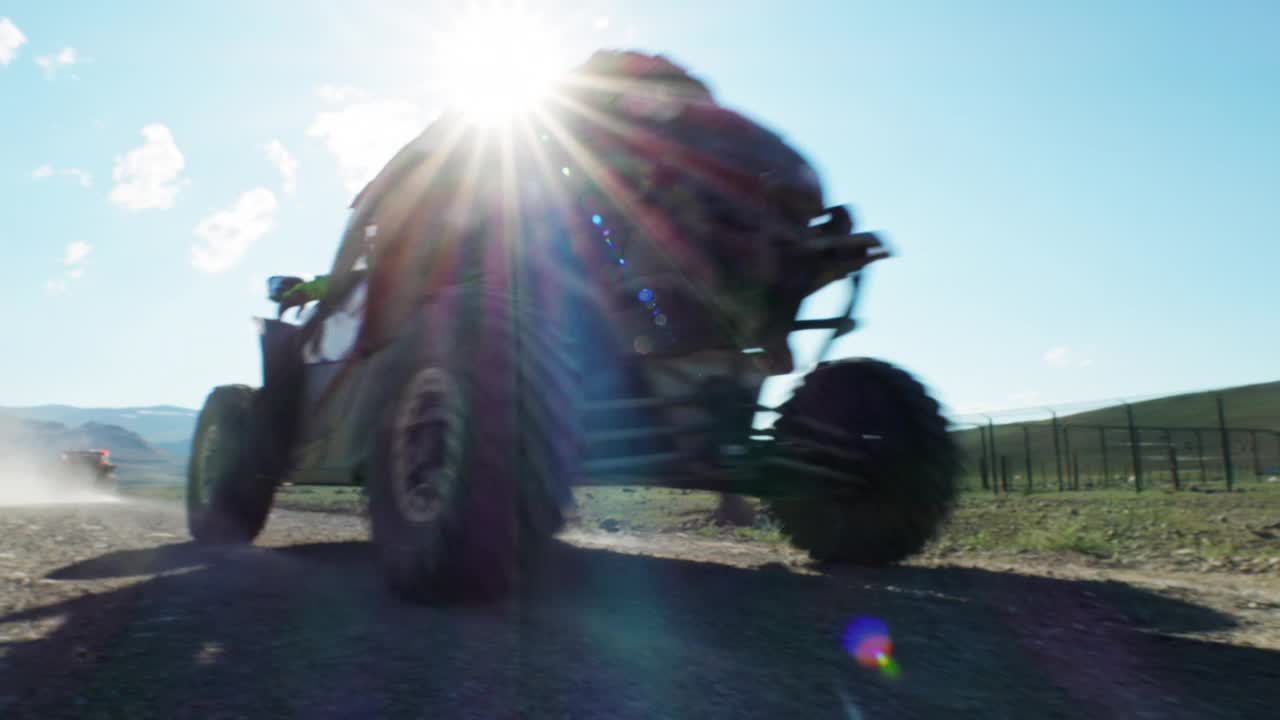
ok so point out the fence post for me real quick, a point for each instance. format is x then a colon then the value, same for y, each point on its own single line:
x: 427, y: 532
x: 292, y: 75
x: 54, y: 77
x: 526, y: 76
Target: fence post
x: 1026, y: 452
x: 1057, y: 452
x: 1204, y: 473
x: 1136, y: 449
x: 1173, y: 460
x: 1004, y: 473
x: 1278, y: 450
x: 982, y: 437
x: 1226, y: 444
x: 1257, y: 459
x: 991, y: 437
x: 1072, y: 477
x: 1102, y: 443
x: 1075, y: 470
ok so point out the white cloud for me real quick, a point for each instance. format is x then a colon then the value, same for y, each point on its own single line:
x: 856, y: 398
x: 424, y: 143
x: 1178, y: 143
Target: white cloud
x: 228, y: 233
x: 64, y: 58
x: 1065, y: 357
x: 76, y: 252
x: 47, y: 171
x: 148, y: 175
x: 86, y: 180
x: 339, y: 93
x: 11, y: 38
x: 363, y: 137
x: 284, y: 163
x: 73, y: 257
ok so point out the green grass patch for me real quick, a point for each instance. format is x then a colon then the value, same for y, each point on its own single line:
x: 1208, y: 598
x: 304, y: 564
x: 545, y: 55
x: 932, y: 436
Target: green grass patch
x: 1239, y: 530
x: 1235, y: 529
x: 339, y: 499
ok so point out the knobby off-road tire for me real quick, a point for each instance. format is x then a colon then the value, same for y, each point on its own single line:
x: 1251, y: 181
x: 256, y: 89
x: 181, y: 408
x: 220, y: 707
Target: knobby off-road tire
x: 902, y: 463
x: 228, y: 497
x: 473, y: 462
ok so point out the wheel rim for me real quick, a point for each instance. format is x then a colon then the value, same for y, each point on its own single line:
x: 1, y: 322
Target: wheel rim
x: 426, y: 447
x: 207, y: 464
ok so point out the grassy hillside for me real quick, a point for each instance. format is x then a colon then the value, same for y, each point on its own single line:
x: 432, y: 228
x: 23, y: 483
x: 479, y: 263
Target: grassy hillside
x: 1162, y: 423
x: 1251, y: 406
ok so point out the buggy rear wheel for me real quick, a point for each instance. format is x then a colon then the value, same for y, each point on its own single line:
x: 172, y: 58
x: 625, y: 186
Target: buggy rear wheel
x: 876, y: 425
x: 228, y: 499
x: 473, y: 462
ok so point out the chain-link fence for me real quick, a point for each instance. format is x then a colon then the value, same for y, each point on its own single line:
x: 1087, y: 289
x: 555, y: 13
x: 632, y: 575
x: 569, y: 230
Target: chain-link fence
x: 1200, y: 441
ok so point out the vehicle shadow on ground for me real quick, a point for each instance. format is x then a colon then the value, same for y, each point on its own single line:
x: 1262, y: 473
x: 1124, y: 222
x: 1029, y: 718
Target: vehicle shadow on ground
x: 310, y: 631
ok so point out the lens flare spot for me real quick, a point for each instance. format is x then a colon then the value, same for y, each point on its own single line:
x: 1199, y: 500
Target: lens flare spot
x: 645, y: 295
x: 867, y: 641
x: 660, y: 321
x: 565, y: 171
x: 890, y: 669
x: 643, y: 345
x: 596, y: 219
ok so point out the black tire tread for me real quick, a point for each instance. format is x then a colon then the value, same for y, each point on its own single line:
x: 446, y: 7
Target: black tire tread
x: 240, y: 502
x: 909, y: 494
x: 518, y: 460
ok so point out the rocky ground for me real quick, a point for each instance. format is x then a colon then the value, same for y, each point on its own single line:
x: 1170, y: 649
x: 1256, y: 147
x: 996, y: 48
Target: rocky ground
x: 107, y: 611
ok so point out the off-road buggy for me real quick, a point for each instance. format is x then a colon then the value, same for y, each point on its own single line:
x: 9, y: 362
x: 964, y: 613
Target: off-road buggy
x: 591, y: 294
x: 88, y: 468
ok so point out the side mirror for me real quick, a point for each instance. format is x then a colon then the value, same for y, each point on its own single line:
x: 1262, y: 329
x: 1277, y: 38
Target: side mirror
x: 278, y: 286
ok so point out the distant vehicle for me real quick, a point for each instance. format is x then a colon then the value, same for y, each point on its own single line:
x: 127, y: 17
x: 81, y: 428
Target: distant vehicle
x: 93, y: 467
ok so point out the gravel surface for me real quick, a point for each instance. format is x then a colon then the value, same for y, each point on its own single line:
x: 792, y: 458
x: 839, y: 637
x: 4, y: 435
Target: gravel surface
x: 107, y: 611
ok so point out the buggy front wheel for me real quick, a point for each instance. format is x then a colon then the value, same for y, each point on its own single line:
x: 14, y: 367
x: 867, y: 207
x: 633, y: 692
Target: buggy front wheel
x: 228, y: 499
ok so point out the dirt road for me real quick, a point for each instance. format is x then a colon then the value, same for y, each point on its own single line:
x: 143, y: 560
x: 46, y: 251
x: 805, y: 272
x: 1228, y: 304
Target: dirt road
x: 106, y: 611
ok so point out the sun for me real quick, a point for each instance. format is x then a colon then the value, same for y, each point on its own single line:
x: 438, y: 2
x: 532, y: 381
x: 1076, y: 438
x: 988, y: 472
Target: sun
x: 496, y: 63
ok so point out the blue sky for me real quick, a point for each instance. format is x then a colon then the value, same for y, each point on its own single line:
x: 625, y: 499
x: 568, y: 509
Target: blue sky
x: 1082, y: 195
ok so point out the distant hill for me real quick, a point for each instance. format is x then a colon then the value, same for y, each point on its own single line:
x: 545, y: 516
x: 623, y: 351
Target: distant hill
x: 1252, y: 406
x: 1160, y: 421
x: 165, y: 428
x: 159, y: 424
x: 1246, y: 406
x: 180, y: 449
x: 137, y: 460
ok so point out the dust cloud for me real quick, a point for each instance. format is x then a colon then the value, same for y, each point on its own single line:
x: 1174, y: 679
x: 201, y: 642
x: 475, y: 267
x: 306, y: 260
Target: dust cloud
x: 30, y: 479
